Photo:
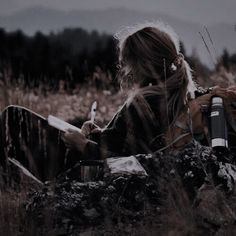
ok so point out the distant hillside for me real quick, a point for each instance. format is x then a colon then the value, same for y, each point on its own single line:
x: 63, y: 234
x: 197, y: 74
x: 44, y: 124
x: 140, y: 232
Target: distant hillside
x: 46, y: 20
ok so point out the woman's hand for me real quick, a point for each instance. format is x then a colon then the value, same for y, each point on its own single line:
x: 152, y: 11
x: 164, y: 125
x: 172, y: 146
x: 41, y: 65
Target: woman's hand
x: 75, y: 140
x: 89, y: 127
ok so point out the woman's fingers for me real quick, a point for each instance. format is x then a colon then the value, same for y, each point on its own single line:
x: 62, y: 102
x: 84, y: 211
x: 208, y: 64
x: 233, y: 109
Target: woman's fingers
x: 67, y: 139
x: 96, y: 131
x: 74, y: 140
x: 70, y: 131
x: 88, y: 127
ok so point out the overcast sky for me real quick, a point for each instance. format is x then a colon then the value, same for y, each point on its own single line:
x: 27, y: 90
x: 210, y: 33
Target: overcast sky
x: 202, y: 11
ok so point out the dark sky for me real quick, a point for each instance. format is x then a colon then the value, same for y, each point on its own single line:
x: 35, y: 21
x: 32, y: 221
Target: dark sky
x: 201, y: 11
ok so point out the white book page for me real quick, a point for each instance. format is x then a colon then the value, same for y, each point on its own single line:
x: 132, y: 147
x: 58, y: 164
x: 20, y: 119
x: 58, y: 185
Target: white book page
x: 61, y: 124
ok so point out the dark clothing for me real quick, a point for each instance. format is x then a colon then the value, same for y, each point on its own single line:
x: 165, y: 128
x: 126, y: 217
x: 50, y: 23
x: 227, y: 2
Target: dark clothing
x: 139, y: 127
x: 27, y: 137
x: 131, y: 131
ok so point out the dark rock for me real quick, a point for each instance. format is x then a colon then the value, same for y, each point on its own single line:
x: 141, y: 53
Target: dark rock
x: 184, y: 194
x: 227, y: 172
x: 212, y: 209
x: 83, y: 205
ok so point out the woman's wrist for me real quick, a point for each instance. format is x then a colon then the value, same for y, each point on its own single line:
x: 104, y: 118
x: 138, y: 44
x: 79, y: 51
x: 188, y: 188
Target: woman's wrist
x: 82, y: 145
x: 91, y: 150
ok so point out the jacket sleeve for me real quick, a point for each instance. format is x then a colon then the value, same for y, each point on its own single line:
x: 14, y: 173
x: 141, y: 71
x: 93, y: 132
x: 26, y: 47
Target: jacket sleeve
x: 110, y: 142
x: 130, y: 132
x: 142, y: 125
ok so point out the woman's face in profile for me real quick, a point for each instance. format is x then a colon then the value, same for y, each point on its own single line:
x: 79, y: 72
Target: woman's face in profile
x: 125, y: 75
x: 124, y: 69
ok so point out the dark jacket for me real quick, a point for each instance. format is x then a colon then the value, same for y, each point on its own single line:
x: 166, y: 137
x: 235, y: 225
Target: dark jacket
x: 133, y: 129
x: 141, y: 125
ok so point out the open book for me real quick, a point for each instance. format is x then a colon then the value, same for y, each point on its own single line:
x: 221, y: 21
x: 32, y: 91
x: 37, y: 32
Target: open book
x: 61, y: 124
x: 64, y: 126
x: 52, y: 120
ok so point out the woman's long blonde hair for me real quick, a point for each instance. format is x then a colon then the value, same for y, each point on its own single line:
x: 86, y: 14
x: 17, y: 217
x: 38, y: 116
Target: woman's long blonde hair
x: 150, y: 54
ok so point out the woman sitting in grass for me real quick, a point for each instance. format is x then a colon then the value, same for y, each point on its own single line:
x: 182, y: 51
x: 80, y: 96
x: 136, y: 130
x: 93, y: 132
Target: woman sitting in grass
x: 161, y: 113
x: 151, y: 61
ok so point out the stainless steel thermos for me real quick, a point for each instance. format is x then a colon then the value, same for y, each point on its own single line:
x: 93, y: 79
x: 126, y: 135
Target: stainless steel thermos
x: 219, y: 134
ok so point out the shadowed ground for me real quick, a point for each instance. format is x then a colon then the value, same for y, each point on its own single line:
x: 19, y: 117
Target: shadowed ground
x: 192, y: 193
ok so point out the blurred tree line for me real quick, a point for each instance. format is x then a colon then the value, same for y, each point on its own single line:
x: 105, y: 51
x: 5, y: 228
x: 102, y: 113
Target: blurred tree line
x: 228, y: 60
x: 72, y: 55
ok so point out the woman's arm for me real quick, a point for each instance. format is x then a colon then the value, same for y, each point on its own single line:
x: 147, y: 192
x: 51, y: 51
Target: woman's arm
x: 95, y: 143
x: 130, y: 132
x: 90, y: 149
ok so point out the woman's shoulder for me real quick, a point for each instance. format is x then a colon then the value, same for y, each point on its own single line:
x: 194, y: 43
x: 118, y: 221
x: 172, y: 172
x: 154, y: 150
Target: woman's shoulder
x: 149, y: 95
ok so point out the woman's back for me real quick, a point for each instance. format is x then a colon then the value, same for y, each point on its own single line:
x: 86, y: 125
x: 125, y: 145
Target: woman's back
x: 137, y: 127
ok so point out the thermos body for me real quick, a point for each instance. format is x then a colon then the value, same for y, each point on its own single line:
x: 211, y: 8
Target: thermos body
x: 219, y: 134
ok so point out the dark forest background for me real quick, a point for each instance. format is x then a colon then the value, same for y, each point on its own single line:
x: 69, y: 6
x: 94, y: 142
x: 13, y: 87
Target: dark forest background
x: 72, y: 54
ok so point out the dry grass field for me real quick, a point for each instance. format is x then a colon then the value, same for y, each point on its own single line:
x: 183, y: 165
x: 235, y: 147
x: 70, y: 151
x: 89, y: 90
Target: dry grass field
x: 67, y: 106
